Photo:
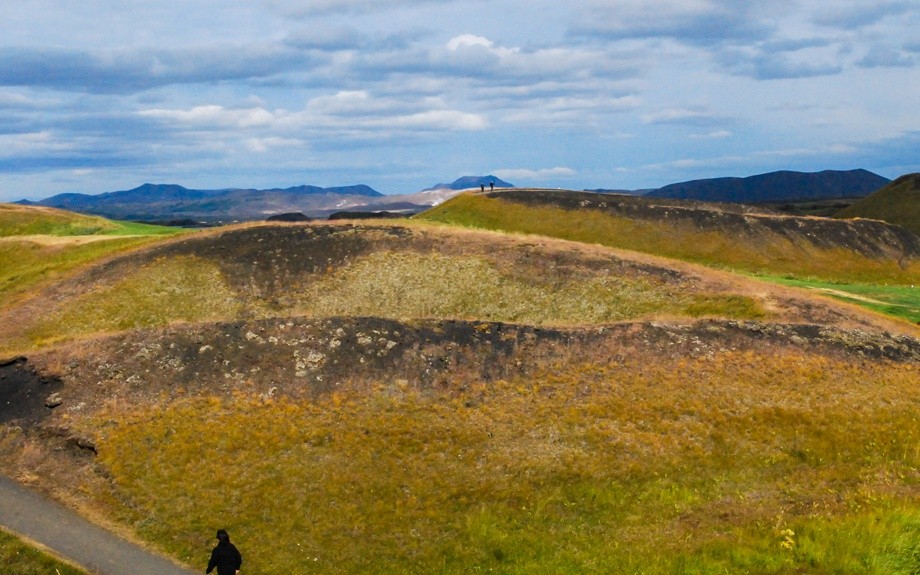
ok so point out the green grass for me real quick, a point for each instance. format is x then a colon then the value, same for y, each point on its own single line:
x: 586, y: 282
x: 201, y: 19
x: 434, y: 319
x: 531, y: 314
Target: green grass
x: 168, y: 290
x: 897, y: 203
x: 18, y: 558
x: 740, y: 462
x: 769, y: 254
x: 25, y: 264
x: 57, y: 245
x: 895, y: 300
x: 18, y: 220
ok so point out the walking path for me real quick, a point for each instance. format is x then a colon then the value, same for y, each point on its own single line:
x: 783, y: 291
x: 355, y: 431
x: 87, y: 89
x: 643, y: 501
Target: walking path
x: 98, y: 551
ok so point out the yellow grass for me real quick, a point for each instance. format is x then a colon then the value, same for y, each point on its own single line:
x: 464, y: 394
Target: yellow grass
x: 738, y: 462
x: 769, y: 253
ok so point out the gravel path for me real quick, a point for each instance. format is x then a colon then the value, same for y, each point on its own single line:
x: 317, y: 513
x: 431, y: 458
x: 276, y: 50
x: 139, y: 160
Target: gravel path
x: 98, y: 551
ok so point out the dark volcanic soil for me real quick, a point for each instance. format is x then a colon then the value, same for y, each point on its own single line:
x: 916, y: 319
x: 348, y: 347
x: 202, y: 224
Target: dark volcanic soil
x: 869, y: 238
x: 304, y: 357
x: 24, y: 392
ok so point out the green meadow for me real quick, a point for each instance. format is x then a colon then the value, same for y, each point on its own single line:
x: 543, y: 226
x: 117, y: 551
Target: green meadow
x: 901, y: 301
x: 38, y: 246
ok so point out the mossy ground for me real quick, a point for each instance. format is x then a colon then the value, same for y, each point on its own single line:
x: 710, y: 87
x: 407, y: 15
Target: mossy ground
x: 411, y: 285
x: 166, y: 291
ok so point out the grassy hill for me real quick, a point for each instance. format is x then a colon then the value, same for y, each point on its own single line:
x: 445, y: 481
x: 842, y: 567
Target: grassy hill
x: 377, y: 270
x: 39, y: 244
x: 725, y: 236
x: 897, y: 203
x: 415, y: 398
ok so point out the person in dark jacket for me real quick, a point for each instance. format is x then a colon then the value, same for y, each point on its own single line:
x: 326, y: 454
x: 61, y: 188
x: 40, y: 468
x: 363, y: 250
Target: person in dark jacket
x: 225, y: 556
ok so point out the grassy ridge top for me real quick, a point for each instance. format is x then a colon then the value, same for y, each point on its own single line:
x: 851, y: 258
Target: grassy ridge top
x: 16, y: 220
x: 897, y: 203
x: 758, y: 244
x: 39, y: 245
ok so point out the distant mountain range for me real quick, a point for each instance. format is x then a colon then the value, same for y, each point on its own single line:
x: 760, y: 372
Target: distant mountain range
x: 781, y: 186
x: 170, y: 202
x: 157, y: 202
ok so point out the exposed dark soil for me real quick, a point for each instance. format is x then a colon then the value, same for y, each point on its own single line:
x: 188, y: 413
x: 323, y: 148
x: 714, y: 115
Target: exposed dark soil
x: 24, y: 392
x: 302, y: 358
x: 869, y: 238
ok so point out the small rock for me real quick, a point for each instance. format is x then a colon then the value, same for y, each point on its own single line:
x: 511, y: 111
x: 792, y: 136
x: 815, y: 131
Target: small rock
x: 53, y: 400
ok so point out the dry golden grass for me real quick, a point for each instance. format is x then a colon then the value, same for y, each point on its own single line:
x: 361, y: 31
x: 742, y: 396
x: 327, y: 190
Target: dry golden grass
x: 735, y: 462
x: 768, y: 253
x: 413, y: 285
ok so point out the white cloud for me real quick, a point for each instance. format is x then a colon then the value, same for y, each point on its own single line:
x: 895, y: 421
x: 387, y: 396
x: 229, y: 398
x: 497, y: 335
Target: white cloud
x: 695, y: 116
x: 450, y: 120
x: 536, y: 175
x: 303, y: 9
x: 212, y: 115
x: 716, y: 135
x: 32, y: 143
x: 263, y: 145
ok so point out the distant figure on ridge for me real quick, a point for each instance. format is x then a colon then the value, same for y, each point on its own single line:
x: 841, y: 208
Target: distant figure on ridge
x: 482, y: 187
x: 225, y: 556
x: 491, y: 186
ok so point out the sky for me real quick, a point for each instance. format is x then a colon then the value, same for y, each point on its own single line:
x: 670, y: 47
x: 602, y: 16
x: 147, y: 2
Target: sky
x: 98, y: 96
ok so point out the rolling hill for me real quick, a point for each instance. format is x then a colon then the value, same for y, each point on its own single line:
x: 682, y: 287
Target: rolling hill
x: 725, y: 235
x: 897, y: 203
x: 39, y: 245
x: 414, y: 397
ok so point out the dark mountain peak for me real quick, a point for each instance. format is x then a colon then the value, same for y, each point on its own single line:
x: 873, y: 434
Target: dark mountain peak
x: 467, y: 182
x: 158, y: 188
x: 784, y: 185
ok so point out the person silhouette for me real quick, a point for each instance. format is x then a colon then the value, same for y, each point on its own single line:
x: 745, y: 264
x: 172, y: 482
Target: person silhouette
x: 225, y: 556
x: 482, y: 187
x: 491, y: 186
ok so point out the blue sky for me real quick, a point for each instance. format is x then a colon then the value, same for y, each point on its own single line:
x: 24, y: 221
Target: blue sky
x: 98, y: 96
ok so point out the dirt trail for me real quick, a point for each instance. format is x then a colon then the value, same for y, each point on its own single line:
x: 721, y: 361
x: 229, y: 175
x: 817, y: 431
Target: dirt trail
x: 100, y: 552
